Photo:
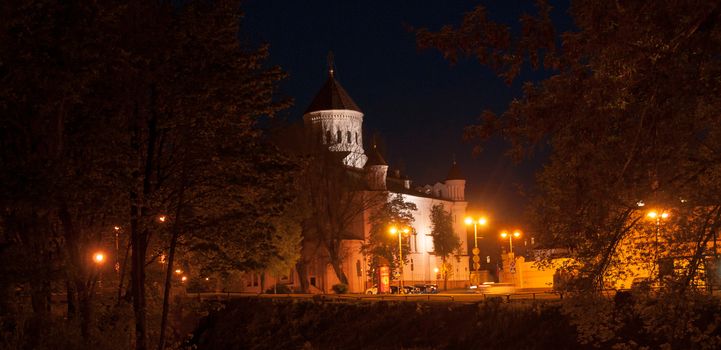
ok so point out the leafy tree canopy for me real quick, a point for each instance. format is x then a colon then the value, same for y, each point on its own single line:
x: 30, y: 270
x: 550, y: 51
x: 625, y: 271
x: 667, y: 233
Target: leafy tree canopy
x: 630, y: 113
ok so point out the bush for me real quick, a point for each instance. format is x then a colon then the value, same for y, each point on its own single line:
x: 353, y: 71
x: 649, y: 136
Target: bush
x: 340, y: 288
x: 279, y: 289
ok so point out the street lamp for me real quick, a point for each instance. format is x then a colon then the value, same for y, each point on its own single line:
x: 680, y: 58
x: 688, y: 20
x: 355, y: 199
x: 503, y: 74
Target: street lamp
x: 476, y: 259
x: 505, y: 234
x: 117, y: 249
x: 99, y: 258
x: 393, y: 230
x: 655, y: 215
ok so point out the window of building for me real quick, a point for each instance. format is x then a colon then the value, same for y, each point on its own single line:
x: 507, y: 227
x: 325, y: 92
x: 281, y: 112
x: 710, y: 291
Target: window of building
x: 358, y: 269
x: 327, y: 137
x: 347, y: 136
x: 252, y: 280
x: 356, y: 138
x: 340, y: 136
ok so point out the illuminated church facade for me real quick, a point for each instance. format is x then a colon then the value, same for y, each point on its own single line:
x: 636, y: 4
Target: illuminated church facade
x: 336, y: 121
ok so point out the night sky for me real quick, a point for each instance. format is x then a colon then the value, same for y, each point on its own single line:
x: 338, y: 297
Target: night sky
x: 415, y: 101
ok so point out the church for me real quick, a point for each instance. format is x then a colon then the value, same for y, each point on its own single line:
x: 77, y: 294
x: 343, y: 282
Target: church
x: 336, y: 121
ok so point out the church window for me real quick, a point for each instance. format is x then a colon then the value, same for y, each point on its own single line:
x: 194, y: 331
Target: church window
x: 340, y: 136
x: 327, y: 136
x: 356, y: 138
x: 347, y: 136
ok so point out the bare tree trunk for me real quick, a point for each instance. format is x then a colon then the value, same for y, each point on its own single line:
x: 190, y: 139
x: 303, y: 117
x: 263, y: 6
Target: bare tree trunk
x: 137, y: 283
x: 144, y: 149
x: 337, y: 264
x: 72, y: 299
x: 336, y: 261
x: 445, y: 274
x: 171, y: 252
x: 123, y: 272
x: 302, y: 269
x: 80, y: 272
x: 84, y: 307
x: 40, y: 296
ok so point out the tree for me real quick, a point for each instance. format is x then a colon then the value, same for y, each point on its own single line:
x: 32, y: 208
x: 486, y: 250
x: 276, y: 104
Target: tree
x: 629, y: 113
x: 331, y: 199
x: 381, y: 245
x: 116, y: 114
x: 445, y: 241
x: 54, y: 147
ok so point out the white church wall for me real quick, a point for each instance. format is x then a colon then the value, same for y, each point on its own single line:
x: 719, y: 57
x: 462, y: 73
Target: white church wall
x: 342, y: 130
x: 422, y: 263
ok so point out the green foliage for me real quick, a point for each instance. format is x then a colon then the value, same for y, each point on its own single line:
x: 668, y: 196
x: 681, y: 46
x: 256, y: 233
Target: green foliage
x: 445, y: 241
x: 281, y: 324
x: 629, y: 113
x: 382, y: 247
x: 107, y: 124
x: 636, y: 320
x: 340, y: 288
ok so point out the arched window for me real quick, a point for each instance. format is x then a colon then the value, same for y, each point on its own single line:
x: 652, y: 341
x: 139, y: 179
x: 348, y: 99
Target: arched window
x: 327, y: 137
x: 347, y: 136
x: 356, y: 138
x: 340, y: 136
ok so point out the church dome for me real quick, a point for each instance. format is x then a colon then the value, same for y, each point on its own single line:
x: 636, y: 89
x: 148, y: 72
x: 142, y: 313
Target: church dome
x: 332, y: 96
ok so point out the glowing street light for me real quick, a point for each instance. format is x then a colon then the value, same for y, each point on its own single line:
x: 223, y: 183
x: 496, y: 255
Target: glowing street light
x: 476, y: 252
x: 162, y: 218
x: 178, y: 271
x: 655, y: 215
x: 393, y: 230
x: 99, y: 258
x: 505, y: 234
x: 475, y: 222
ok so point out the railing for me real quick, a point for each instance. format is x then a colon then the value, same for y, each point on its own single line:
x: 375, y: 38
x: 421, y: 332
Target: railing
x: 471, y: 297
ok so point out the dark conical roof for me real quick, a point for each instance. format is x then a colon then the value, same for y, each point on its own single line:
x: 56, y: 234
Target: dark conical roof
x: 455, y: 172
x: 375, y: 158
x: 332, y: 96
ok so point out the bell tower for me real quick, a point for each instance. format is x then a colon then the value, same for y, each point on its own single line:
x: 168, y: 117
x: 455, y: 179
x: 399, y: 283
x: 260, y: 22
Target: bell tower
x: 336, y: 121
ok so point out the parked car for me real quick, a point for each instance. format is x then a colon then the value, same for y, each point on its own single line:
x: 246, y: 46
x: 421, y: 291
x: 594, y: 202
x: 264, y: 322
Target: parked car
x: 426, y: 288
x: 394, y: 290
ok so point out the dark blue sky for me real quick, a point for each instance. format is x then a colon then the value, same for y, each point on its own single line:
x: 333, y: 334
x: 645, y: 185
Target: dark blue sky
x: 414, y: 100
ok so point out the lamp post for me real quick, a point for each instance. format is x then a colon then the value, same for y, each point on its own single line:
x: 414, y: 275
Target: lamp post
x: 99, y: 260
x: 117, y: 249
x: 655, y: 215
x: 475, y: 279
x: 393, y: 230
x: 505, y: 234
